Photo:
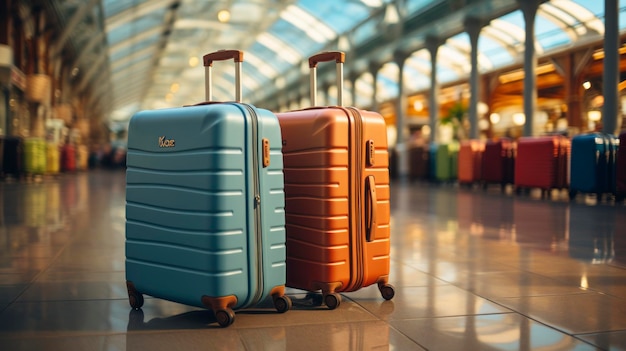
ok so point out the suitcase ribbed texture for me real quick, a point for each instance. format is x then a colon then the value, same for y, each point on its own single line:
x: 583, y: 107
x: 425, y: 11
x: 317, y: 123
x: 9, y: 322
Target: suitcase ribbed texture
x: 541, y: 162
x: 470, y: 161
x: 620, y: 168
x: 498, y: 161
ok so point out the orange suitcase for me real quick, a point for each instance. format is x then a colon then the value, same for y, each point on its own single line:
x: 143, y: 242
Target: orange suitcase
x: 337, y: 195
x: 470, y: 161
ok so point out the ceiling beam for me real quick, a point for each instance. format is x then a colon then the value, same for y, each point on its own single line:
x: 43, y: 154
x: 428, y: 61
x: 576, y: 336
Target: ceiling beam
x: 70, y: 27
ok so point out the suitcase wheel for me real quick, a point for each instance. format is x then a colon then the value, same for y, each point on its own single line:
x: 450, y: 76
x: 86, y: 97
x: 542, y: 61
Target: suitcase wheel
x: 332, y: 300
x: 135, y: 298
x: 387, y: 291
x: 572, y: 194
x: 282, y: 303
x: 225, y: 317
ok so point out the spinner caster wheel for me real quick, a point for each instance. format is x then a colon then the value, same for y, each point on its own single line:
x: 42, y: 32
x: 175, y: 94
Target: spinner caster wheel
x: 282, y: 304
x: 332, y: 301
x: 387, y: 291
x: 225, y: 317
x: 135, y: 299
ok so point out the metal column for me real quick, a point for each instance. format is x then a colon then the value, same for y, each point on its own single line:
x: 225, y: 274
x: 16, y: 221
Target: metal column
x: 529, y: 8
x: 611, y: 72
x: 401, y: 105
x: 432, y: 44
x: 473, y: 27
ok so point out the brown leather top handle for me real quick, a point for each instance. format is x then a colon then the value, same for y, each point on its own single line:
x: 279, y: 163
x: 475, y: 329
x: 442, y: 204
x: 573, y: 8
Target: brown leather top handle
x: 339, y: 58
x: 222, y: 55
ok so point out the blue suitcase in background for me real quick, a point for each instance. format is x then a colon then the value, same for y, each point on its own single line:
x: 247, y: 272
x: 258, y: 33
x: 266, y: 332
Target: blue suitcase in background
x: 205, y: 219
x: 592, y: 164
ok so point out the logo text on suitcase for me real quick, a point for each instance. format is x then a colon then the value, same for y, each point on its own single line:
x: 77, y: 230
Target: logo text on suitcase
x: 166, y: 142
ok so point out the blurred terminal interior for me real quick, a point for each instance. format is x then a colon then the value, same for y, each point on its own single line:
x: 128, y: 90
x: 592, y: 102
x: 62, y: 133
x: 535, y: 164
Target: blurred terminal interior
x: 74, y: 72
x: 473, y: 269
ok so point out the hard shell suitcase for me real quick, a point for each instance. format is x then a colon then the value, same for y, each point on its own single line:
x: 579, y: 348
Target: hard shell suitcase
x: 470, y: 161
x: 542, y: 162
x: 53, y: 158
x: 82, y: 157
x: 498, y: 164
x: 444, y: 161
x: 12, y: 156
x: 592, y: 164
x: 337, y: 195
x: 205, y: 219
x: 620, y: 169
x: 68, y: 158
x: 34, y: 156
x: 418, y: 162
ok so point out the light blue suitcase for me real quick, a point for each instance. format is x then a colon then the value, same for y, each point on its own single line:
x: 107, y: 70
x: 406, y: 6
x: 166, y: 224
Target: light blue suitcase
x: 205, y: 219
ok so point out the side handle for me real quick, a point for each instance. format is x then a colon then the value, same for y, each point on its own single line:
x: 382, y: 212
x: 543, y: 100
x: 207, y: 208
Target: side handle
x: 222, y: 55
x: 371, y: 203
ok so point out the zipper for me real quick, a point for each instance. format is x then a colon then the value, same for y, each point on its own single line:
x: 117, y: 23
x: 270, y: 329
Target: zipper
x: 258, y: 228
x: 357, y: 176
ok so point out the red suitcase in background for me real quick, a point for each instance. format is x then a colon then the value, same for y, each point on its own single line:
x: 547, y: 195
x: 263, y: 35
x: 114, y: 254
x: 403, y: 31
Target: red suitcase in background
x: 542, y: 162
x: 336, y: 196
x: 470, y: 161
x: 498, y: 163
x: 620, y: 169
x: 68, y: 158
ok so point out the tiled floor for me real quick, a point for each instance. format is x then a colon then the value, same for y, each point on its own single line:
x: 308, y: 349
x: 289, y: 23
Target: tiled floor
x: 473, y: 270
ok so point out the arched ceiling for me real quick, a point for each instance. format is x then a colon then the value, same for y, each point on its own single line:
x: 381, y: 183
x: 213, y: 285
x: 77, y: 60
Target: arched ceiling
x: 146, y: 54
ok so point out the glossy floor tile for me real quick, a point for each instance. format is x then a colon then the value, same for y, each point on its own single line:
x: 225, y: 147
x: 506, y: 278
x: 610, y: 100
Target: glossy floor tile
x: 473, y: 269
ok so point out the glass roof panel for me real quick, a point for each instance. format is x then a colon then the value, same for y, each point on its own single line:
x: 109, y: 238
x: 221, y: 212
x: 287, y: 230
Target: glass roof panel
x: 416, y: 5
x: 125, y: 51
x: 494, y: 51
x: 134, y: 28
x: 549, y: 35
x: 269, y: 56
x: 341, y: 16
x: 115, y: 7
x: 298, y: 39
x: 364, y: 32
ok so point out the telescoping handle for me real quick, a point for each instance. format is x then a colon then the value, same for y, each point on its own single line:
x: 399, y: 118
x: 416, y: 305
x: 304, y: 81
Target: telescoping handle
x: 222, y: 55
x: 339, y: 58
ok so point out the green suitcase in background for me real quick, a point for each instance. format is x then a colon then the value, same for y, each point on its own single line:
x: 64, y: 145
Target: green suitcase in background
x: 445, y: 158
x: 34, y: 155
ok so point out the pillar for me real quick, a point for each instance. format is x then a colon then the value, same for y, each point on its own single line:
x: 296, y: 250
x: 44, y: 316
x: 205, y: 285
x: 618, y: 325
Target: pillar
x: 401, y: 106
x: 432, y: 44
x: 473, y: 27
x: 374, y: 67
x: 529, y: 9
x: 611, y: 72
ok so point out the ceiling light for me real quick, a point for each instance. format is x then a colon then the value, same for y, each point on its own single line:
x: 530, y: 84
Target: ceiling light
x: 519, y: 119
x: 594, y: 115
x: 587, y: 85
x: 223, y: 16
x: 494, y: 118
x: 174, y: 87
x: 193, y: 61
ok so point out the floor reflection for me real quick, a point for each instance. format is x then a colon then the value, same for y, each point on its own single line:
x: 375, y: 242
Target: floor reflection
x: 473, y: 269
